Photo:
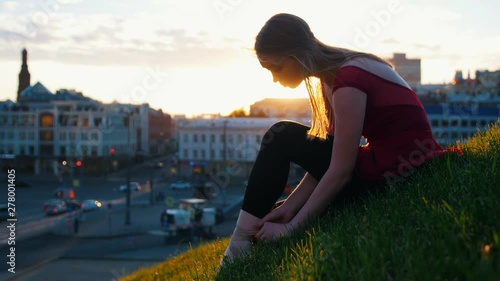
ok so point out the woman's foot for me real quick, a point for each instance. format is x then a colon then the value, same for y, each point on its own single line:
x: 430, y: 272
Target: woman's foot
x: 243, y: 234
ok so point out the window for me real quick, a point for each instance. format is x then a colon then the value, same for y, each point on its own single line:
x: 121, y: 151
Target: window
x: 97, y: 121
x: 46, y: 120
x: 464, y: 123
x: 230, y: 138
x: 63, y: 120
x: 212, y: 154
x: 72, y: 136
x: 94, y: 136
x: 203, y: 154
x: 62, y: 136
x: 435, y: 123
x: 203, y: 138
x: 195, y: 154
x: 444, y: 123
x: 85, y: 150
x: 185, y: 152
x: 46, y: 135
x: 186, y: 138
x: 84, y: 136
x: 195, y: 138
x: 74, y: 122
x: 212, y: 138
x: 22, y: 135
x: 240, y: 138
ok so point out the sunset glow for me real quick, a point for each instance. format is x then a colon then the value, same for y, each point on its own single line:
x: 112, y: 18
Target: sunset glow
x: 191, y: 57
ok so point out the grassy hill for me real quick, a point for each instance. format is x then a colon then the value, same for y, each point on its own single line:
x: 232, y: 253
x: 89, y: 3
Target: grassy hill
x: 443, y: 223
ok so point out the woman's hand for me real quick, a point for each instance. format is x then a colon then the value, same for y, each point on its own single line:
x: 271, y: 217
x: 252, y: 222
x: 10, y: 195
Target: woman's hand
x: 271, y: 231
x: 282, y: 214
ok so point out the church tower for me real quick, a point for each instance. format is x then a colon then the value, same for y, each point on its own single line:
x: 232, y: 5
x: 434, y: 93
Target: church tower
x: 24, y: 75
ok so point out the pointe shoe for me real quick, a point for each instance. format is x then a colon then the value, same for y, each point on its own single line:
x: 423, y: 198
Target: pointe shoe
x: 243, y: 234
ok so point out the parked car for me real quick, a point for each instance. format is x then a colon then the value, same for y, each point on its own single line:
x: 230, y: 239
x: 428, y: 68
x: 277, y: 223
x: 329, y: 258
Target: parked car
x: 55, y: 206
x: 180, y: 185
x: 134, y: 186
x: 90, y: 205
x: 73, y: 205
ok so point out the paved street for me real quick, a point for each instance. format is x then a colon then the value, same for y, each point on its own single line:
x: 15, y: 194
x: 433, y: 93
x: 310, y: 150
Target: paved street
x: 104, y: 247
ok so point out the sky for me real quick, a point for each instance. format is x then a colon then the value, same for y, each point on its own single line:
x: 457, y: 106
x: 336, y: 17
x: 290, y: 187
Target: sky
x: 196, y: 56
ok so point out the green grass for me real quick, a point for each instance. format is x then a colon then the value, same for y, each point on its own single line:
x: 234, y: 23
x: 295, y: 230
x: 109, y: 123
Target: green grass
x: 443, y: 223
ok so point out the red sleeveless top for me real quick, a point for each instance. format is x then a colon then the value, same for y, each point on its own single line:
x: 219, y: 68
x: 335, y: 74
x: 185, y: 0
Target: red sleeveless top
x: 396, y: 127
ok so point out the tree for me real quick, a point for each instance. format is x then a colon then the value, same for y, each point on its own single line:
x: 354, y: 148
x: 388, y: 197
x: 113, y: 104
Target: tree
x: 238, y: 113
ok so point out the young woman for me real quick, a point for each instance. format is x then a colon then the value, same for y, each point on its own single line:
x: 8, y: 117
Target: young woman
x: 359, y: 95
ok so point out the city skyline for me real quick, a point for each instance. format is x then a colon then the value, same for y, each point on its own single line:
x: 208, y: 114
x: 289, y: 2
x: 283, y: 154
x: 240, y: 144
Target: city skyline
x: 193, y: 58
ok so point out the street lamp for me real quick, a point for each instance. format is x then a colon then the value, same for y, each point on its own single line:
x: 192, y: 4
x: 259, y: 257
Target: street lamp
x: 127, y: 208
x: 223, y: 190
x: 151, y: 195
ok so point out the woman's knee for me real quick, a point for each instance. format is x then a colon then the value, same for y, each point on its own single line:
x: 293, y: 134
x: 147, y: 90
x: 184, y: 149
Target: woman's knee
x: 283, y: 133
x: 281, y: 130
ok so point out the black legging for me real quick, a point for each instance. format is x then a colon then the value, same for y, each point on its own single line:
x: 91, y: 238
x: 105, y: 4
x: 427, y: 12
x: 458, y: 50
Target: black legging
x: 284, y: 143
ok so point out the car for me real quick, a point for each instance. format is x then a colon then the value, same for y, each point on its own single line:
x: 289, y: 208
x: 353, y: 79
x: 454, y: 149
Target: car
x: 73, y: 205
x: 180, y: 185
x: 90, y: 205
x: 158, y: 165
x: 134, y: 186
x: 55, y: 206
x: 64, y: 192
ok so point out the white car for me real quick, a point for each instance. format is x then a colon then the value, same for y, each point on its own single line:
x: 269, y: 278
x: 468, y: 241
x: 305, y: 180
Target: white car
x: 180, y: 185
x: 134, y: 186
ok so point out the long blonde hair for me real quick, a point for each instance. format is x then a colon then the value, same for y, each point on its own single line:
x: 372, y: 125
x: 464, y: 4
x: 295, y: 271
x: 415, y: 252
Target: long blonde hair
x: 286, y: 35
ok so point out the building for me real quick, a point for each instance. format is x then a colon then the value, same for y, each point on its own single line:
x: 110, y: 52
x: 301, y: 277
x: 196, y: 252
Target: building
x: 24, y: 75
x: 212, y: 145
x: 45, y: 132
x: 469, y: 106
x: 456, y: 122
x: 408, y: 69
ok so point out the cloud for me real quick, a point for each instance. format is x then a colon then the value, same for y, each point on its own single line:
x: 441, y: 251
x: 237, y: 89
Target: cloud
x: 390, y: 41
x: 432, y: 48
x: 10, y: 5
x: 69, y: 1
x: 103, y: 39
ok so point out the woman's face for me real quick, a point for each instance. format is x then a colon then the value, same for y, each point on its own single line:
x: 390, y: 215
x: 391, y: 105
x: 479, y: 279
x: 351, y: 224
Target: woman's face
x: 286, y: 71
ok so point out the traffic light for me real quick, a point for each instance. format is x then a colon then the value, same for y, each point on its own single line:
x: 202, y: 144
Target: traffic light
x: 78, y: 163
x: 112, y: 151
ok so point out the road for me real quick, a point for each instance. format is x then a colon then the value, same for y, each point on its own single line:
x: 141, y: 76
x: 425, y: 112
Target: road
x: 37, y: 247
